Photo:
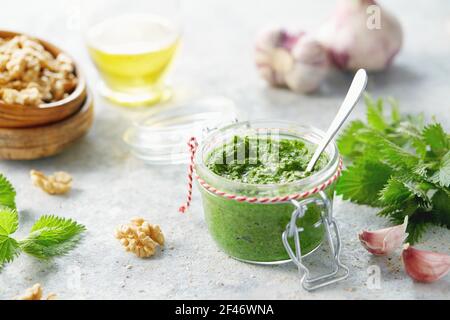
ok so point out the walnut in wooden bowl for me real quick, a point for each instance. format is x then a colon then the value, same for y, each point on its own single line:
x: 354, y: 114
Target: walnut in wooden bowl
x: 39, y: 84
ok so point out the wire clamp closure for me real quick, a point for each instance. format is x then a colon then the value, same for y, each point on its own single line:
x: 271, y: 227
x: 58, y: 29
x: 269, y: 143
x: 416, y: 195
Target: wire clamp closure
x: 339, y: 271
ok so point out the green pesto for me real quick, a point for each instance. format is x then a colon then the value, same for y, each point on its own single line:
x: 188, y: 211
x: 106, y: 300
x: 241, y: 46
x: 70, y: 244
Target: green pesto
x: 252, y: 232
x: 263, y: 160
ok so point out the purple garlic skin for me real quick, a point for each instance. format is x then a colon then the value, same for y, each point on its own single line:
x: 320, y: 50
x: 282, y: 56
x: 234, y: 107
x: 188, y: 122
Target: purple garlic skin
x: 384, y: 241
x: 292, y: 60
x: 425, y: 266
x: 353, y: 40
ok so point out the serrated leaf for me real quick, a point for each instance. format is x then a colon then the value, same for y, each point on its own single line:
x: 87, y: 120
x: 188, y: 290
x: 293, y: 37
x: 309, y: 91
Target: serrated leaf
x: 412, y: 136
x: 388, y: 151
x: 435, y: 136
x: 9, y: 221
x: 9, y: 249
x: 442, y: 175
x: 50, y: 221
x: 415, y: 231
x: 389, y: 210
x: 375, y: 117
x: 408, y: 208
x: 348, y: 140
x: 421, y: 169
x: 52, y: 236
x: 419, y: 146
x: 394, y: 192
x: 362, y: 182
x: 37, y: 246
x: 441, y: 210
x: 7, y: 193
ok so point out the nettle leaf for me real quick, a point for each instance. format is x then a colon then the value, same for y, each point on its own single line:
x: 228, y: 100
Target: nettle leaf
x: 362, y: 182
x: 375, y: 117
x: 399, y: 165
x: 7, y: 193
x: 397, y: 156
x: 50, y: 221
x: 421, y: 170
x: 52, y: 236
x: 390, y: 210
x: 395, y: 192
x: 9, y: 221
x: 442, y: 175
x: 416, y: 230
x: 441, y: 203
x: 419, y: 146
x: 388, y: 151
x: 435, y: 136
x: 9, y: 249
x: 348, y: 141
x: 412, y: 134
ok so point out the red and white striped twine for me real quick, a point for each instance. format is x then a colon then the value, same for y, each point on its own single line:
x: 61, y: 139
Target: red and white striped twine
x: 193, y: 148
x: 192, y: 144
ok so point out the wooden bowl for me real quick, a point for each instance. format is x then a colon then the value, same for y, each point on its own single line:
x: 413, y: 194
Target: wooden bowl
x: 48, y: 140
x: 20, y: 116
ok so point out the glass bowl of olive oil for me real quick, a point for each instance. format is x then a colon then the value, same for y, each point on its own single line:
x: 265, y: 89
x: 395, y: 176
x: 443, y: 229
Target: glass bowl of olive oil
x: 132, y: 44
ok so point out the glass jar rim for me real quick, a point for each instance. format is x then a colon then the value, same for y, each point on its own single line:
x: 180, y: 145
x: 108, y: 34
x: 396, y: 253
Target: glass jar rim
x: 304, y: 132
x: 160, y: 136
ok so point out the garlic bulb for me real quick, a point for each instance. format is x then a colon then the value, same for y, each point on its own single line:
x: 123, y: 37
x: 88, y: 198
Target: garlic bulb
x: 292, y: 60
x: 425, y: 266
x: 361, y: 34
x: 384, y: 241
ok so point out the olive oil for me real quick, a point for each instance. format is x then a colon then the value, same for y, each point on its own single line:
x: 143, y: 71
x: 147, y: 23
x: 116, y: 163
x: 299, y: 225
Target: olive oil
x: 133, y: 54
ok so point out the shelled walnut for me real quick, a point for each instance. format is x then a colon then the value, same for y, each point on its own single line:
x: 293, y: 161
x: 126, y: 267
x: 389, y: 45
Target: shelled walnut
x: 140, y: 237
x: 31, y: 75
x: 58, y: 183
x: 35, y: 293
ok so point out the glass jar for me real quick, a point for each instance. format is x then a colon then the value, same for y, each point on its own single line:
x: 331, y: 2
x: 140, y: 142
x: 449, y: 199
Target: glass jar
x: 160, y: 136
x: 251, y: 230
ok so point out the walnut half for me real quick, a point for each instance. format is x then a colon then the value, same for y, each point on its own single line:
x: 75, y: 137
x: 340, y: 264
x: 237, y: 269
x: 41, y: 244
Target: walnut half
x: 58, y: 183
x: 35, y: 293
x: 140, y: 237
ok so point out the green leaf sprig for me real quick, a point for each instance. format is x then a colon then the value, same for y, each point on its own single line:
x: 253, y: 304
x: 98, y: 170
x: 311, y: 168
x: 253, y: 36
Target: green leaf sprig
x: 50, y: 236
x: 400, y: 165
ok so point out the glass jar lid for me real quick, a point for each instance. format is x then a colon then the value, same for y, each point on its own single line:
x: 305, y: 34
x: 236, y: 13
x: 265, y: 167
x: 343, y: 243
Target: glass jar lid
x: 161, y: 137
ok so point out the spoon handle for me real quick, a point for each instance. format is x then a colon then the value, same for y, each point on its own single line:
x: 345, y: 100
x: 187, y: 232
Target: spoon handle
x: 354, y: 93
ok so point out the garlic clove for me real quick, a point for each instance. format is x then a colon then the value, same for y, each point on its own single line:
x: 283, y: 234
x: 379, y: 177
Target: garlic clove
x: 311, y: 66
x: 282, y: 60
x: 292, y: 60
x: 384, y: 241
x: 423, y: 265
x: 273, y: 54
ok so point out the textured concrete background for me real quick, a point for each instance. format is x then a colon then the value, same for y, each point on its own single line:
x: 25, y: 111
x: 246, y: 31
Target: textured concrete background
x: 111, y: 186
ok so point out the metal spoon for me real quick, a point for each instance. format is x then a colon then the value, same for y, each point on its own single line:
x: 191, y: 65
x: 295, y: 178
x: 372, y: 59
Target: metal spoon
x: 354, y: 93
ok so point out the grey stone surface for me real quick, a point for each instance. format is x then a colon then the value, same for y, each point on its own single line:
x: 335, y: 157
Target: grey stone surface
x: 111, y: 186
